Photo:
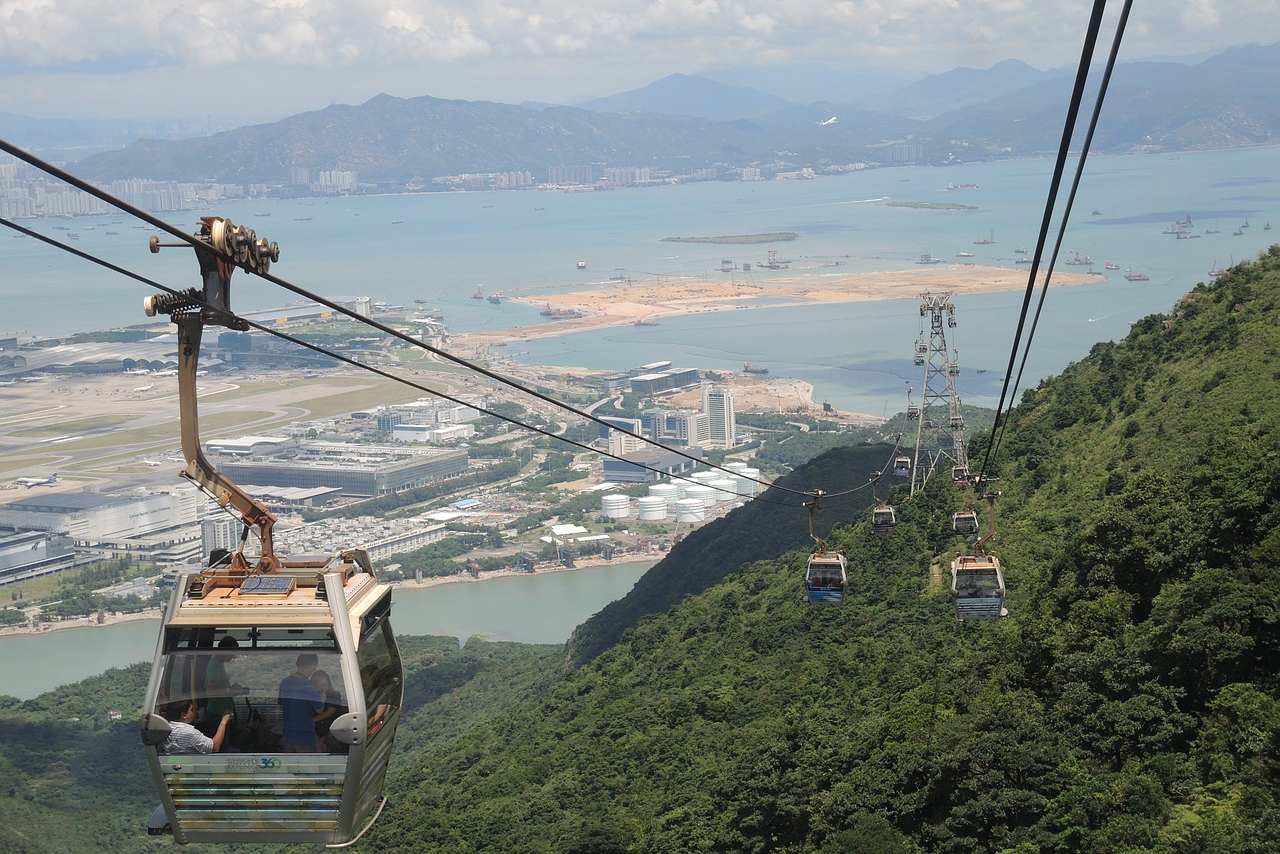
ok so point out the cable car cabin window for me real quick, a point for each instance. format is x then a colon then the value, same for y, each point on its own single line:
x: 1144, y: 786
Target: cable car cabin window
x: 977, y: 584
x: 315, y: 638
x: 280, y: 701
x: 379, y: 661
x: 826, y: 577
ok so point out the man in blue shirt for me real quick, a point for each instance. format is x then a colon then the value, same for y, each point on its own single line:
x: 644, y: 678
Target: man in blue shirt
x: 300, y: 705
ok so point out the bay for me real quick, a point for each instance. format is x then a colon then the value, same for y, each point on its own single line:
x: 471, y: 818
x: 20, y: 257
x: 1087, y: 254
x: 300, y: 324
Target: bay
x: 541, y: 608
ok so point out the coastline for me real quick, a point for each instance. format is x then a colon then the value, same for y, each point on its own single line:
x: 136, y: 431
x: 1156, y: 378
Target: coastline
x: 641, y: 304
x: 155, y: 613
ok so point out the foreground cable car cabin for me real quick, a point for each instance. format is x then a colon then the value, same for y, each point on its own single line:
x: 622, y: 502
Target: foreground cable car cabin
x: 277, y: 686
x: 964, y: 522
x: 825, y: 578
x: 902, y: 466
x: 883, y: 520
x: 977, y: 585
x: 272, y: 652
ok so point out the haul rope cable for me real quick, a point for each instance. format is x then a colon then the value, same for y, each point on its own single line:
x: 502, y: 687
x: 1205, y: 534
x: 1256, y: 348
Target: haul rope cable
x: 1066, y: 214
x: 85, y: 186
x: 372, y: 369
x: 1068, y: 128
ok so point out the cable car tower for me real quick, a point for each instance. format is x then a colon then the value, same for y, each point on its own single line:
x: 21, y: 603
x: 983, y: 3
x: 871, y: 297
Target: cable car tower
x: 940, y: 429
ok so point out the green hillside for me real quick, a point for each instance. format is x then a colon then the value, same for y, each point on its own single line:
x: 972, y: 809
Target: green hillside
x: 1129, y: 702
x: 759, y: 530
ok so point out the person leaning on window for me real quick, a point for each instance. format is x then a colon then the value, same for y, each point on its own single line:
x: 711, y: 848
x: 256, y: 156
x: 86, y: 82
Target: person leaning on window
x: 184, y: 737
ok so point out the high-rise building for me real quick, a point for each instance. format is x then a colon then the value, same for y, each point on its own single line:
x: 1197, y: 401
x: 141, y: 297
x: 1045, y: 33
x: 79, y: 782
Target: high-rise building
x: 219, y: 531
x: 717, y: 404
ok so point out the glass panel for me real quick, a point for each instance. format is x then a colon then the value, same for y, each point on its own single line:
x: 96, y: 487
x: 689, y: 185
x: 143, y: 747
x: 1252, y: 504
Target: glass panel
x: 380, y: 675
x: 250, y: 637
x: 278, y: 701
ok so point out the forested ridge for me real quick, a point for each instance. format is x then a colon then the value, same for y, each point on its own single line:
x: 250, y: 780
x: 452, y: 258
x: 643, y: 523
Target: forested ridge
x: 1129, y: 702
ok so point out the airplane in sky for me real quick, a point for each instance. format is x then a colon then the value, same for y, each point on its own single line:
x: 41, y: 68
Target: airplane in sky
x: 831, y: 121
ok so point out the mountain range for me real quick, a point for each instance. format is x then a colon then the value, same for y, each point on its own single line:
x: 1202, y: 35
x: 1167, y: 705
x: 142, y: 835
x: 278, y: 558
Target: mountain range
x: 683, y: 122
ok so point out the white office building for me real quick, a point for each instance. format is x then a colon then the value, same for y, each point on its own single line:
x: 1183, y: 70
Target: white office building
x: 717, y: 403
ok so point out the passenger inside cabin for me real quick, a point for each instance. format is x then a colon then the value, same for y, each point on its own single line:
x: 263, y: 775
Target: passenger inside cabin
x: 334, y: 708
x: 301, y: 705
x: 218, y: 684
x: 184, y: 737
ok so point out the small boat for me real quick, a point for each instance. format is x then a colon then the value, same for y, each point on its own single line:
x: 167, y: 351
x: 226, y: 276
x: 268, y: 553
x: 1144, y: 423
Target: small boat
x: 1215, y: 271
x: 1267, y: 227
x: 1137, y: 277
x: 748, y: 368
x: 965, y: 255
x: 1211, y: 231
x: 397, y: 222
x: 1237, y: 232
x: 479, y: 294
x: 926, y: 258
x: 262, y: 213
x: 1111, y: 265
x: 302, y: 219
x: 111, y: 233
x: 72, y: 235
x: 1023, y: 260
x: 1096, y: 212
x: 1019, y: 252
x: 986, y: 241
x: 1245, y: 224
x: 1078, y: 260
x: 644, y: 321
x: 582, y: 265
x: 496, y: 298
x: 726, y: 265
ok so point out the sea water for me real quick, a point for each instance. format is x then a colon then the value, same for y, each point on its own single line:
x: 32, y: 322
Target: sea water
x: 540, y: 608
x: 446, y: 245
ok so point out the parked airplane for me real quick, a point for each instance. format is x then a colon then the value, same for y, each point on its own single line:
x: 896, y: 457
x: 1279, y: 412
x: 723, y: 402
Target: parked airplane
x: 29, y: 482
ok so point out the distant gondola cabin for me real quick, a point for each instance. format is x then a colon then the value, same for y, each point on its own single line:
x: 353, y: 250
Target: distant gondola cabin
x: 902, y: 466
x: 883, y: 519
x: 825, y: 578
x: 977, y: 585
x: 964, y: 522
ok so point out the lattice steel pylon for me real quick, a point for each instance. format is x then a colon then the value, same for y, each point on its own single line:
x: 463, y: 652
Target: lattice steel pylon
x: 938, y: 436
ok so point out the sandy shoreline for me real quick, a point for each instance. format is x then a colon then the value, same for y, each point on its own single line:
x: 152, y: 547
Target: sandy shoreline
x: 636, y: 304
x: 155, y: 613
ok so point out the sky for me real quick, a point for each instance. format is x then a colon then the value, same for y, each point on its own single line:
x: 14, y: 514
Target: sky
x: 246, y: 60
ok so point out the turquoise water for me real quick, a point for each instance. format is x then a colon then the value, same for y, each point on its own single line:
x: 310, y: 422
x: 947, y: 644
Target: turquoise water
x: 528, y: 608
x: 527, y: 242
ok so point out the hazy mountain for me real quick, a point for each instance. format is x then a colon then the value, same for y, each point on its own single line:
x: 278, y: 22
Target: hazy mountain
x: 689, y: 95
x: 1224, y: 101
x: 804, y: 83
x: 64, y: 135
x: 397, y: 139
x: 958, y: 88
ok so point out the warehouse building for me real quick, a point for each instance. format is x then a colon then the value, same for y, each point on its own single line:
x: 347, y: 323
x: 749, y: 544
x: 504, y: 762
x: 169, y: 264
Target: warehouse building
x: 31, y: 554
x: 360, y: 470
x: 660, y: 382
x: 630, y: 468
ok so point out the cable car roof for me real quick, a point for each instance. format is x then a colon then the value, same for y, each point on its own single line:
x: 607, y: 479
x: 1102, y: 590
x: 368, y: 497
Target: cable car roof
x: 975, y: 563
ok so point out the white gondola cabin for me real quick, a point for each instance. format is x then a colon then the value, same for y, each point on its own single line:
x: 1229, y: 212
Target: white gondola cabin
x: 977, y: 585
x: 825, y: 578
x: 276, y: 686
x: 964, y: 522
x: 960, y: 475
x: 883, y: 520
x: 302, y: 664
x: 902, y: 466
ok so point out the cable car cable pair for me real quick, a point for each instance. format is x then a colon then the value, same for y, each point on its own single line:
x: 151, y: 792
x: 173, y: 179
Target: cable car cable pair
x: 1073, y: 109
x: 346, y: 359
x: 265, y: 274
x: 1066, y: 216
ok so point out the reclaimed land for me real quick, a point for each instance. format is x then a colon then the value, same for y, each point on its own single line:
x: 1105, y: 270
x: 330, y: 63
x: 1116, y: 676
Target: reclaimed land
x: 738, y: 239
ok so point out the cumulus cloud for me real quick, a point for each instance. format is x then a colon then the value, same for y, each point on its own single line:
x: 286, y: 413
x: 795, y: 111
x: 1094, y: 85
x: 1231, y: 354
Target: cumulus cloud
x: 53, y: 34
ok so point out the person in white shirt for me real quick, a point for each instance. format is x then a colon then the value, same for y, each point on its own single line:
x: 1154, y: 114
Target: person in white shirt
x: 184, y: 737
